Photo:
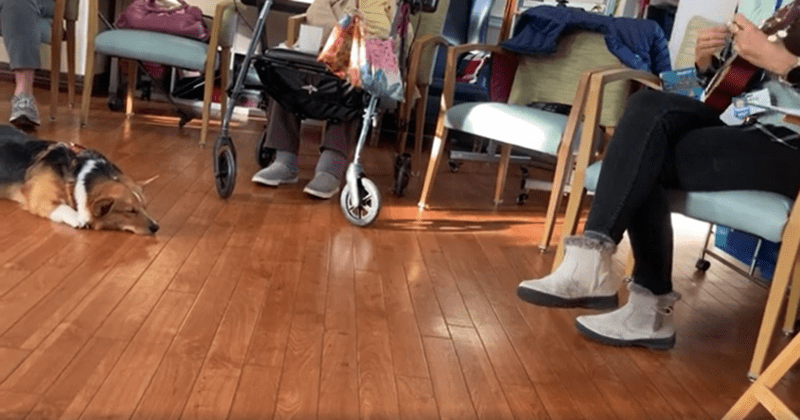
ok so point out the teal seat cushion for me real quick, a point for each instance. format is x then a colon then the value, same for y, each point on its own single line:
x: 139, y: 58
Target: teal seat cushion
x: 155, y: 47
x: 760, y: 213
x: 517, y: 125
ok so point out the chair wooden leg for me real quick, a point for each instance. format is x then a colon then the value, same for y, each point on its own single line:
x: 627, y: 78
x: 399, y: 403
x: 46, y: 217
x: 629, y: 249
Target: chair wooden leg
x: 55, y: 77
x: 794, y: 301
x: 70, y: 63
x: 419, y: 129
x: 131, y: 87
x: 564, y: 161
x: 777, y: 292
x: 433, y: 168
x: 502, y: 172
x: 88, y: 81
x: 761, y: 390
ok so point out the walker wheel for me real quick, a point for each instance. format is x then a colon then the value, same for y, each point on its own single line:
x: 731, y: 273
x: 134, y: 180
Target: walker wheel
x: 264, y: 155
x: 224, y: 166
x: 702, y: 265
x: 367, y: 210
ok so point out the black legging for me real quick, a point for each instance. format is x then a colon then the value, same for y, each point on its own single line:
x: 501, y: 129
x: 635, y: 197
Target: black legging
x: 666, y: 141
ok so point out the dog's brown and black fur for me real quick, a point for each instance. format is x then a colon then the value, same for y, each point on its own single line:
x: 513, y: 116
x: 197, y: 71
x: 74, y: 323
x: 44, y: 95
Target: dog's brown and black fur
x: 69, y: 184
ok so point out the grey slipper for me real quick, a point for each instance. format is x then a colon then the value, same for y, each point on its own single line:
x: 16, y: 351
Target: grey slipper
x: 276, y: 174
x: 323, y: 185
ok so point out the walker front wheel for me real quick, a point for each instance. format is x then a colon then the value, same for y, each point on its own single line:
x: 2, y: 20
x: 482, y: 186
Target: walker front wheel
x: 224, y: 166
x: 367, y: 209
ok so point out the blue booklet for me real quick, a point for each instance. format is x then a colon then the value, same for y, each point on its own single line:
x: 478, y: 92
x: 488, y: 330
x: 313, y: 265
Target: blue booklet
x: 681, y: 81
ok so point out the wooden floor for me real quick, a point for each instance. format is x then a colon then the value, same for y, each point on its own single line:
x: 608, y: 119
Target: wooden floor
x: 270, y: 305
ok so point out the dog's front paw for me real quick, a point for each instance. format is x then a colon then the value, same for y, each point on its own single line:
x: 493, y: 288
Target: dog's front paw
x: 67, y: 215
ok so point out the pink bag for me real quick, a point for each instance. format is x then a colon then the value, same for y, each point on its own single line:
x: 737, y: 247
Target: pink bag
x: 148, y: 15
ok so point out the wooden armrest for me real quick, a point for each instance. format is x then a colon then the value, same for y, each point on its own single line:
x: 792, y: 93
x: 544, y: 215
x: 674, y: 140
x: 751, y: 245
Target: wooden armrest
x: 293, y: 27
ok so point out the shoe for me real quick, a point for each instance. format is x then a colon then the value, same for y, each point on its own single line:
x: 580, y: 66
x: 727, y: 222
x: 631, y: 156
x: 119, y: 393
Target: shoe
x: 645, y: 320
x: 323, y: 185
x: 24, y: 111
x: 275, y: 174
x: 583, y: 279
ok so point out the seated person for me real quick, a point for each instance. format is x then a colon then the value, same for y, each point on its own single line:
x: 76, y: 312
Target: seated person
x: 283, y: 127
x: 22, y: 22
x: 666, y: 141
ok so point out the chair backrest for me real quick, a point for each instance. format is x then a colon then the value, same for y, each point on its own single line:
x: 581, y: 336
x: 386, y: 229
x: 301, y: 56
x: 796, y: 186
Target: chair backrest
x: 466, y: 21
x: 554, y: 77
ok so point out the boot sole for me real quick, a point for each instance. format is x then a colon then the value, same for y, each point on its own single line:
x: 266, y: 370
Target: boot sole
x: 274, y: 182
x: 543, y: 299
x: 651, y: 343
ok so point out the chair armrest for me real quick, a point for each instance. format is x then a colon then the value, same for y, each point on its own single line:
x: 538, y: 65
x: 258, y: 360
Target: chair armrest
x: 293, y: 27
x: 223, y: 26
x: 71, y: 10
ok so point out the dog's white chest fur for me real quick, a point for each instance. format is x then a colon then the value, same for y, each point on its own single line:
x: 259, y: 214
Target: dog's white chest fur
x: 80, y: 216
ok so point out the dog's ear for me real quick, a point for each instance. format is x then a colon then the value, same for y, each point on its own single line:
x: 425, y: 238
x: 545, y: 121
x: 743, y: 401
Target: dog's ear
x: 102, y: 206
x: 146, y: 182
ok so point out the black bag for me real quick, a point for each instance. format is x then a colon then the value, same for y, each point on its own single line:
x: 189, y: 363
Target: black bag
x: 305, y: 87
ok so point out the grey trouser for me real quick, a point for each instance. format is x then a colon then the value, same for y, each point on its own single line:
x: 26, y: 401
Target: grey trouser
x: 283, y: 132
x: 25, y: 25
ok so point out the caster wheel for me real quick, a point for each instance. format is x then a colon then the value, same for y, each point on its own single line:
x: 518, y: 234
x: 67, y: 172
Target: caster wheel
x: 224, y: 166
x: 522, y: 198
x: 402, y: 173
x: 366, y: 212
x: 115, y: 103
x: 454, y: 165
x: 185, y: 117
x: 702, y: 265
x: 264, y: 155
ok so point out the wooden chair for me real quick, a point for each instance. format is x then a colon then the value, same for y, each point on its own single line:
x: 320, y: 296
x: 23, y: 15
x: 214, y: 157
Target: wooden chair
x: 767, y: 215
x: 65, y: 14
x: 760, y: 392
x: 170, y: 50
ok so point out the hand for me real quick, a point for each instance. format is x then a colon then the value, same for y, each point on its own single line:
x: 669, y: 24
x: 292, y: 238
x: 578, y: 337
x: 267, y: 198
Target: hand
x: 753, y: 45
x: 709, y: 42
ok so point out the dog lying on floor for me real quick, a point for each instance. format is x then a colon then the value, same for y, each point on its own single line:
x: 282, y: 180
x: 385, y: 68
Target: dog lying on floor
x: 69, y: 184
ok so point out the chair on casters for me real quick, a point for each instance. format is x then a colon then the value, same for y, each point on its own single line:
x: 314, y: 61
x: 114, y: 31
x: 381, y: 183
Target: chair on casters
x: 166, y: 49
x: 563, y: 78
x: 465, y: 22
x: 767, y: 215
x: 65, y: 14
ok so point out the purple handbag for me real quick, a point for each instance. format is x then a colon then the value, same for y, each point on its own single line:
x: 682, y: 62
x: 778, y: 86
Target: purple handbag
x: 148, y: 15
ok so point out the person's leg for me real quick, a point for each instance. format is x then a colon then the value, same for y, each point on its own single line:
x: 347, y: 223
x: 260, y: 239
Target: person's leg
x: 22, y: 22
x: 283, y: 135
x: 640, y: 149
x: 332, y: 162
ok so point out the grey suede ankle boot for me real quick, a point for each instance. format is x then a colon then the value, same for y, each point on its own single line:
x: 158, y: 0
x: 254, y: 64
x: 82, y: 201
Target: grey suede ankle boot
x: 583, y: 279
x: 646, y: 321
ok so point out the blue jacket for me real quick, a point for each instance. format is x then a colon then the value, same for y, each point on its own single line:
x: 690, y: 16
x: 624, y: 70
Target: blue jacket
x: 638, y: 43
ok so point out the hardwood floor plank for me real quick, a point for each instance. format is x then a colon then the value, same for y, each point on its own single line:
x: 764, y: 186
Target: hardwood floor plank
x: 340, y: 306
x: 172, y: 382
x: 484, y: 387
x: 15, y: 406
x: 215, y: 388
x: 376, y: 378
x: 298, y: 394
x: 256, y: 394
x: 452, y: 395
x: 450, y: 300
x: 418, y: 400
x: 124, y: 386
x: 10, y: 359
x: 525, y: 402
x: 32, y: 327
x: 339, y: 390
x: 268, y: 345
x: 430, y: 320
x: 73, y: 389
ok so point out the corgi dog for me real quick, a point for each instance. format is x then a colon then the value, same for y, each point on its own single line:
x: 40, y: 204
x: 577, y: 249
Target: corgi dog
x: 69, y: 184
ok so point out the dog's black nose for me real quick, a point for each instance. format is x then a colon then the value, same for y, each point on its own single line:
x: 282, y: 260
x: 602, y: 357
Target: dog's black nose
x: 153, y: 227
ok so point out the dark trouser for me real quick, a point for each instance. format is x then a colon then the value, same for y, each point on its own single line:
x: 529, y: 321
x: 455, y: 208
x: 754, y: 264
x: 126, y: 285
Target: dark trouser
x: 665, y: 141
x: 283, y: 132
x: 25, y: 25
